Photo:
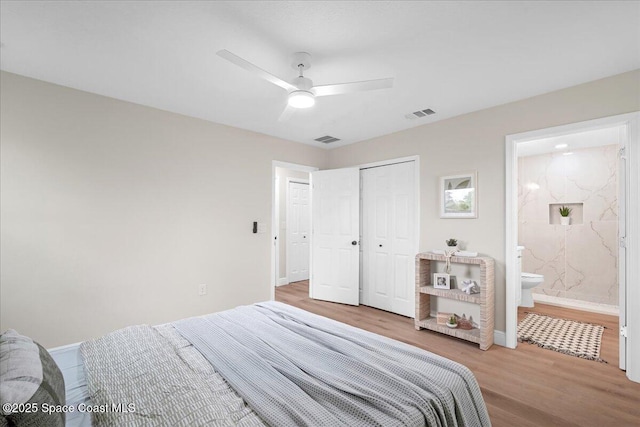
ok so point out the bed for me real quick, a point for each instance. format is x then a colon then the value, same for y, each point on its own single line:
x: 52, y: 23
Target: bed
x: 271, y: 364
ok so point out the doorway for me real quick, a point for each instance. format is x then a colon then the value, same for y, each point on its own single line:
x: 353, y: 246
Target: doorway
x: 578, y: 261
x: 297, y: 223
x: 626, y: 164
x: 283, y: 173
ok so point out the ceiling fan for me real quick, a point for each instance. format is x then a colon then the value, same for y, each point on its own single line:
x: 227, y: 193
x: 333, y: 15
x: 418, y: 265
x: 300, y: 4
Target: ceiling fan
x: 302, y: 92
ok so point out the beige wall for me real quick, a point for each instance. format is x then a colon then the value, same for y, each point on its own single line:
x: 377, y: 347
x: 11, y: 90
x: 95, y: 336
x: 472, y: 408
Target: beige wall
x: 476, y: 141
x: 113, y: 213
x: 283, y: 174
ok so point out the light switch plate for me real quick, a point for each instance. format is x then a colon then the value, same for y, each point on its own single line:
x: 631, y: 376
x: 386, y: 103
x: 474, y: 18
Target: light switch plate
x: 202, y: 289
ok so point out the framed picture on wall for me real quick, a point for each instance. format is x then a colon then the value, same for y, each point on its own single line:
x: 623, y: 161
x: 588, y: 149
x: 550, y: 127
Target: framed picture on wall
x: 441, y: 281
x: 459, y: 196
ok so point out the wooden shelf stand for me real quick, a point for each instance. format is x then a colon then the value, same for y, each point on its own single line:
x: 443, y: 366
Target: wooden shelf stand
x: 425, y: 291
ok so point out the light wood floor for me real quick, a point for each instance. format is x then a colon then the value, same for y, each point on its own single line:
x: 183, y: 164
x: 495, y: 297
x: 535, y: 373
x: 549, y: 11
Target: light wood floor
x: 528, y: 386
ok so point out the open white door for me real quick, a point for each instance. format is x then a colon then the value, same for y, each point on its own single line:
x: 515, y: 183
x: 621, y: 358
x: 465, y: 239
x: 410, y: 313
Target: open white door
x: 335, y: 229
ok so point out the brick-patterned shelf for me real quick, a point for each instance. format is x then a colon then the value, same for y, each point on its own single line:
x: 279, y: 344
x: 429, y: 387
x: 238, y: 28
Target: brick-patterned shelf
x: 424, y: 292
x: 431, y: 323
x: 451, y: 294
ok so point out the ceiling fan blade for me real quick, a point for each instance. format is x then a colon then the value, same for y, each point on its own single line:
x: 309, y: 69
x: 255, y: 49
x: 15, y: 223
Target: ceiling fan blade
x: 256, y: 70
x: 353, y: 87
x: 286, y: 114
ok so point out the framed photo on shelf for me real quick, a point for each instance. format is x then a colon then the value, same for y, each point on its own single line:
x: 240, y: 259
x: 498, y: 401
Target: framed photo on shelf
x: 459, y: 196
x: 441, y: 281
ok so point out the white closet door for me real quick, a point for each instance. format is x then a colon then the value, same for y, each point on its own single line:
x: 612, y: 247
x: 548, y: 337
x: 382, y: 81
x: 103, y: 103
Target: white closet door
x: 388, y: 267
x: 298, y: 236
x: 335, y: 217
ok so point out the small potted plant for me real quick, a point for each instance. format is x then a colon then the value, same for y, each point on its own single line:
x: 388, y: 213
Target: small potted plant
x: 452, y: 243
x: 453, y: 321
x: 565, y: 211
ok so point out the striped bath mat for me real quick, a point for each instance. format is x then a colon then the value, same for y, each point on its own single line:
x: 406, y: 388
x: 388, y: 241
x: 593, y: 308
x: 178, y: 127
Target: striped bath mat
x: 561, y: 335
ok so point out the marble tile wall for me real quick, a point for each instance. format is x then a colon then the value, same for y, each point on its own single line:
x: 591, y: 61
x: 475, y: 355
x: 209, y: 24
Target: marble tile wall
x: 579, y: 261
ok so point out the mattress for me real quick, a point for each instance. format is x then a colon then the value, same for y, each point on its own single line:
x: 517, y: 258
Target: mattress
x: 270, y: 363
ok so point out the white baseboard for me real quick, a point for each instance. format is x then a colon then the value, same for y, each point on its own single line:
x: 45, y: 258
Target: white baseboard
x: 499, y: 338
x: 282, y: 281
x: 575, y: 304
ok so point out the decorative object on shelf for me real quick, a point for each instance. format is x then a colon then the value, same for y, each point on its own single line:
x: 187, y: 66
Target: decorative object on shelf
x: 453, y: 321
x: 470, y: 287
x: 565, y: 211
x: 459, y: 196
x: 452, y: 248
x: 441, y: 281
x: 465, y: 323
x: 448, y: 254
x: 443, y: 318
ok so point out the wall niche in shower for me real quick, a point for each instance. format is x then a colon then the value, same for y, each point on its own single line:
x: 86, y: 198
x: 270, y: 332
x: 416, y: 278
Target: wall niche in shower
x: 576, y: 212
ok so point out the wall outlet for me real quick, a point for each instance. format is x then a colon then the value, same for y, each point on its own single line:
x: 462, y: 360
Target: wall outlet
x: 202, y: 289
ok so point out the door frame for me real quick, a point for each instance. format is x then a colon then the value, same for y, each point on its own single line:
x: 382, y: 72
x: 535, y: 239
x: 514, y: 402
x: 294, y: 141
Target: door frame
x: 632, y: 224
x: 275, y: 227
x: 287, y: 244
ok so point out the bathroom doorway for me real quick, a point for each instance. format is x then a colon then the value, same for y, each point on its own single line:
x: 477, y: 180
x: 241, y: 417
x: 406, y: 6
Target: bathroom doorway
x: 586, y: 168
x: 575, y: 256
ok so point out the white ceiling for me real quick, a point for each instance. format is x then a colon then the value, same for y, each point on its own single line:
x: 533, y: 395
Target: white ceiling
x: 453, y: 57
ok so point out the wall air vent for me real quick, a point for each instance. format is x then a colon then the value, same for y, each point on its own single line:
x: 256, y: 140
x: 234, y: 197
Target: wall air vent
x: 419, y: 114
x: 327, y: 139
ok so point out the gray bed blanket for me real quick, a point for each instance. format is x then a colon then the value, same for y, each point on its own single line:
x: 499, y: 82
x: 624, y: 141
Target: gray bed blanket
x: 151, y: 376
x: 295, y: 368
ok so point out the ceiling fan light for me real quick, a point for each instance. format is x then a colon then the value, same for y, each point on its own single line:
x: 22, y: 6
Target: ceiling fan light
x: 301, y: 99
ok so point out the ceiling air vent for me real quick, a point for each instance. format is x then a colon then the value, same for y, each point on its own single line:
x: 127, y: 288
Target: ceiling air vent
x: 420, y: 113
x: 327, y: 139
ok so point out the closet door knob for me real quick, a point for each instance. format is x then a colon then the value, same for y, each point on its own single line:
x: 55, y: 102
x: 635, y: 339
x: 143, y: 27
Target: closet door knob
x: 380, y: 245
x: 355, y: 242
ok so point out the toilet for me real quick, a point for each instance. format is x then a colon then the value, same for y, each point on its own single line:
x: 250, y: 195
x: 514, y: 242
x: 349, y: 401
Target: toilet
x: 528, y: 282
